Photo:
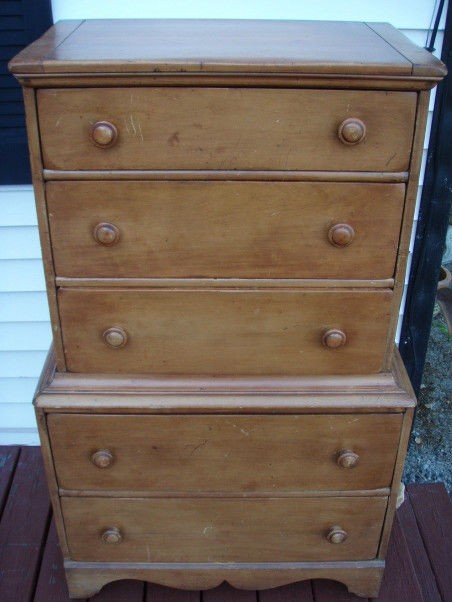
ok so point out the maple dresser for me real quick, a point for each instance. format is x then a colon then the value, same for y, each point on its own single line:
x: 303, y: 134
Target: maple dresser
x: 225, y: 211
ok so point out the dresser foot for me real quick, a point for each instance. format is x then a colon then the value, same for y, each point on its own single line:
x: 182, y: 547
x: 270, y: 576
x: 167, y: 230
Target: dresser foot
x: 361, y: 578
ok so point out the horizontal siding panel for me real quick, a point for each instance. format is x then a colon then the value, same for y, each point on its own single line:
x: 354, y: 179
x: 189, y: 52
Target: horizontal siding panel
x: 27, y: 307
x: 29, y: 336
x: 17, y: 390
x: 19, y: 242
x: 21, y: 363
x: 19, y: 436
x: 14, y: 414
x: 21, y: 275
x: 17, y: 206
x: 406, y: 14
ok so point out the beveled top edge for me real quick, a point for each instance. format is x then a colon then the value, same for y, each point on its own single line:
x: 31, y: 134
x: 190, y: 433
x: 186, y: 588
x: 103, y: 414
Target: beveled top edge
x: 393, y: 385
x: 133, y: 46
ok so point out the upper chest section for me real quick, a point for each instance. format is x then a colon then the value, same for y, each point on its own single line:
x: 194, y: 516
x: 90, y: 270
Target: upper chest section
x: 226, y: 95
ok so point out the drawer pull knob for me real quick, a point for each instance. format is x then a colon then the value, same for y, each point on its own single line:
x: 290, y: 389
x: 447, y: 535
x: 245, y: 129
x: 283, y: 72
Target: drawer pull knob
x: 104, y: 134
x: 106, y: 234
x: 115, y: 337
x: 336, y: 535
x: 341, y: 235
x: 347, y: 459
x: 102, y: 458
x: 352, y: 131
x: 334, y: 338
x: 112, y: 536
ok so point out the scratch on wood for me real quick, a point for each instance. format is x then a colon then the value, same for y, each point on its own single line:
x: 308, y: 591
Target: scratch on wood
x: 242, y: 430
x: 141, y: 133
x: 393, y: 156
x: 173, y: 139
x: 196, y: 447
x: 133, y: 125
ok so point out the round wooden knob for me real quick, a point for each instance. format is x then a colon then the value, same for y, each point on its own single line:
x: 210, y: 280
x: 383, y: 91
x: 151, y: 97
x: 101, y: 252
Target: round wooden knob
x: 352, y: 131
x: 341, y: 235
x: 111, y: 536
x: 115, y: 337
x: 347, y: 459
x: 336, y: 535
x: 102, y: 458
x: 334, y: 338
x: 104, y: 134
x: 106, y: 234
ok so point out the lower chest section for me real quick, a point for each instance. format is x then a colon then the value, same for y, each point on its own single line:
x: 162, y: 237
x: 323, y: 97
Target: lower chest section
x: 187, y: 488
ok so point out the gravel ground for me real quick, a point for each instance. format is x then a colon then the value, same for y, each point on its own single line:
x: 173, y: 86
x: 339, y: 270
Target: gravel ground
x: 430, y: 452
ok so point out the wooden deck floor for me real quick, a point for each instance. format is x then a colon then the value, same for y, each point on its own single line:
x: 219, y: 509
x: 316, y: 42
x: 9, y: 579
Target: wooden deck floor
x: 419, y: 562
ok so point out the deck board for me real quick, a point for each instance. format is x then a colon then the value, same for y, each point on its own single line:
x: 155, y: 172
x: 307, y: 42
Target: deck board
x: 332, y: 591
x: 159, y: 593
x: 400, y: 582
x: 51, y: 584
x: 121, y: 591
x: 226, y: 593
x: 23, y: 528
x: 294, y: 592
x: 8, y: 460
x: 419, y: 556
x: 433, y: 511
x: 31, y: 566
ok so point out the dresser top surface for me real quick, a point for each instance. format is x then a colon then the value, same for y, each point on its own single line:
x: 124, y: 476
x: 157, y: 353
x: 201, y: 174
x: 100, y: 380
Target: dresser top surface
x: 225, y: 46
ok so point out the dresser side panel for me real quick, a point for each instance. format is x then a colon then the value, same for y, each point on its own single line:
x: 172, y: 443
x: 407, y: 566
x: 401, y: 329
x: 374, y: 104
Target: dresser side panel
x: 407, y: 221
x: 41, y: 210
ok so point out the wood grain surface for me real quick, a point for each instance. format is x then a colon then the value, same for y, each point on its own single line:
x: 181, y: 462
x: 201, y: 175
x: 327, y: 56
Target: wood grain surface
x: 8, y: 462
x: 410, y: 570
x: 224, y: 453
x: 224, y: 229
x: 51, y: 583
x: 225, y: 332
x: 181, y: 128
x: 433, y: 513
x: 229, y: 213
x: 145, y: 45
x: 23, y: 525
x: 221, y: 530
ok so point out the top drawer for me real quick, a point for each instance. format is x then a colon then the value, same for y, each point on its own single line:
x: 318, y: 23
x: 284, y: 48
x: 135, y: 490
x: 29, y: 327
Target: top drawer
x: 225, y: 128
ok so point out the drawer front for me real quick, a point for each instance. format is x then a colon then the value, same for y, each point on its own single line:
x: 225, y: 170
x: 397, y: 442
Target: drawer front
x: 225, y: 128
x: 225, y: 229
x: 224, y: 453
x: 227, y: 332
x: 221, y: 530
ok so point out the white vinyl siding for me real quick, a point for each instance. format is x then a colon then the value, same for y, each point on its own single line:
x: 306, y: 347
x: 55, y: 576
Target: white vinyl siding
x: 24, y: 318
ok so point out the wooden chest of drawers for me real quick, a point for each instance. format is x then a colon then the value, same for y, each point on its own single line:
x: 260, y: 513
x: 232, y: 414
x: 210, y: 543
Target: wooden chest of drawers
x: 225, y: 212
